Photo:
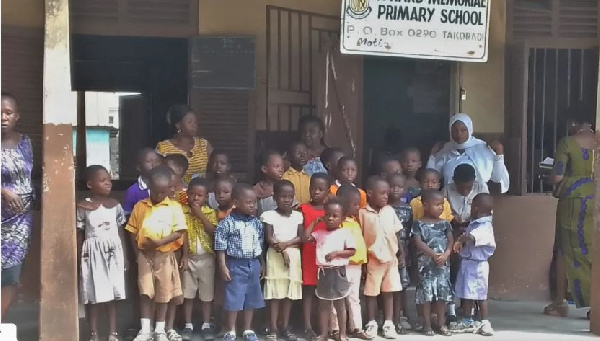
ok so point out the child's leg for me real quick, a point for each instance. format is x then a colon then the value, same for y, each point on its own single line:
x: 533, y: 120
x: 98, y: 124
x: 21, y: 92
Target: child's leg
x: 92, y: 313
x: 161, y: 316
x: 483, y: 309
x: 404, y: 311
x: 111, y: 311
x: 324, y: 314
x: 285, y: 318
x: 188, y: 307
x: 145, y: 313
x: 388, y: 305
x: 307, y: 303
x: 340, y: 307
x: 468, y: 307
x: 230, y: 318
x: 171, y: 312
x: 354, y: 273
x: 426, y: 316
x: 397, y: 305
x: 206, y: 312
x: 274, y: 314
x: 441, y: 310
x: 248, y: 314
x: 371, y: 308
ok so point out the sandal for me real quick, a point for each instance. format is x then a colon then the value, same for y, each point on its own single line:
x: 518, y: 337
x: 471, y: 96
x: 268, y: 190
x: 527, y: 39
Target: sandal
x: 113, y: 336
x: 428, y: 332
x: 334, y: 334
x: 444, y: 331
x: 319, y: 338
x: 271, y: 337
x: 558, y: 310
x: 94, y: 336
x: 310, y: 334
x: 289, y: 336
x: 342, y: 338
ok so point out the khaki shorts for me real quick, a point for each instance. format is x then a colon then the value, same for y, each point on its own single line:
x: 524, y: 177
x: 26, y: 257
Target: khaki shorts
x: 382, y: 277
x: 158, y: 277
x: 199, y: 277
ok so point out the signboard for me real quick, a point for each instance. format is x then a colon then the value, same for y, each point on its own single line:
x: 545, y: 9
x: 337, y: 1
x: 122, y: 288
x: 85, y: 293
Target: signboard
x: 425, y: 29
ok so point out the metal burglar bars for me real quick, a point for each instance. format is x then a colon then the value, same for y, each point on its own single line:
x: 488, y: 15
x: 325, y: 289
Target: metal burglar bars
x: 557, y: 78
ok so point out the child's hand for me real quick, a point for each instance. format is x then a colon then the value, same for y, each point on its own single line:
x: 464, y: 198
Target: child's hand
x: 457, y: 247
x: 225, y: 273
x: 401, y: 261
x: 330, y: 256
x: 438, y: 259
x: 88, y: 205
x: 262, y: 270
x: 286, y: 259
x: 281, y: 246
x: 183, y: 263
x: 436, y: 148
x: 319, y: 220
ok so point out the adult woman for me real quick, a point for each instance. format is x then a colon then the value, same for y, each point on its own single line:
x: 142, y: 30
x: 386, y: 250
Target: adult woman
x: 573, y: 176
x: 17, y: 197
x: 488, y: 161
x: 185, y: 125
x: 312, y: 132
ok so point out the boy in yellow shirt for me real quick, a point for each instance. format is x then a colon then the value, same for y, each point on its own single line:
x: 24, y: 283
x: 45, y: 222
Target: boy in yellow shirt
x: 430, y: 179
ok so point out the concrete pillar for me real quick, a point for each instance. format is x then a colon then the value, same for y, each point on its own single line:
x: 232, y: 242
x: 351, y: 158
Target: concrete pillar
x: 595, y: 287
x: 58, y: 306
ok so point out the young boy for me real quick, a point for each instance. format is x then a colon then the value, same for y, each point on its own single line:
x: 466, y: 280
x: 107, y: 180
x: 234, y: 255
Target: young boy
x: 430, y: 179
x: 475, y: 247
x: 147, y: 159
x: 179, y: 165
x: 223, y: 191
x: 347, y: 171
x: 380, y: 226
x: 271, y: 167
x: 389, y: 166
x: 411, y: 162
x: 219, y: 167
x: 239, y: 241
x: 295, y: 174
x: 198, y: 262
x: 157, y: 225
x: 329, y: 158
x: 460, y: 194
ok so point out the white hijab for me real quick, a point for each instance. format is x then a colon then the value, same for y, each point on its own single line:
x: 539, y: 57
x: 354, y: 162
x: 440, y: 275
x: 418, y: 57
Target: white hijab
x: 471, y: 141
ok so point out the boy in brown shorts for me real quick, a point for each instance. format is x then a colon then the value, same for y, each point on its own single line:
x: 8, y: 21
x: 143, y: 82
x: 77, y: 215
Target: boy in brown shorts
x: 380, y: 225
x: 157, y: 225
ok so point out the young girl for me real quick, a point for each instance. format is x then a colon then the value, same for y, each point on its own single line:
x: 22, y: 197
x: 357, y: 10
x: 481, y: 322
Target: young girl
x: 100, y: 221
x: 335, y: 246
x: 283, y: 278
x: 319, y: 189
x: 271, y: 167
x: 312, y: 132
x: 433, y: 238
x: 218, y: 168
x: 411, y: 162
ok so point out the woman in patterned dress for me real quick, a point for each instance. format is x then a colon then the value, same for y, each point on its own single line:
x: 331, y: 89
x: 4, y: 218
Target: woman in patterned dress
x: 184, y: 122
x: 17, y: 198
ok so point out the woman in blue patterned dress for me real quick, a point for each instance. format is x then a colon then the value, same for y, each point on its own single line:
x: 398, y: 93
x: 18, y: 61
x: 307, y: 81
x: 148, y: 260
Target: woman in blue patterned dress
x: 17, y: 198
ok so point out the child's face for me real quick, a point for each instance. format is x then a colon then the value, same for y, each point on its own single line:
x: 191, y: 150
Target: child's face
x: 319, y: 188
x: 285, y: 198
x: 378, y: 196
x: 391, y: 167
x: 100, y: 184
x: 397, y: 187
x: 223, y: 191
x: 459, y: 132
x: 197, y: 195
x: 311, y: 135
x: 188, y: 125
x: 273, y: 170
x: 430, y: 181
x: 148, y: 163
x: 331, y: 165
x: 246, y: 203
x: 411, y: 163
x: 220, y: 164
x: 298, y: 155
x: 347, y: 172
x: 177, y: 170
x: 334, y: 215
x: 353, y: 204
x: 434, y: 207
x: 160, y: 189
x: 464, y: 188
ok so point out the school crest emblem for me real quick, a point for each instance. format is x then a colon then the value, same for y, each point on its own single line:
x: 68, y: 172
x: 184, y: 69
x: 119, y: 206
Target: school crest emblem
x: 358, y: 9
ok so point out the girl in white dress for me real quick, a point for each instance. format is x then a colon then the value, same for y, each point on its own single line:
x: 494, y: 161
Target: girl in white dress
x: 100, y: 242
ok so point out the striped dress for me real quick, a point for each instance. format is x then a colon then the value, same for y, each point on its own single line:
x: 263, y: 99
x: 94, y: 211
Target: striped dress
x: 197, y: 157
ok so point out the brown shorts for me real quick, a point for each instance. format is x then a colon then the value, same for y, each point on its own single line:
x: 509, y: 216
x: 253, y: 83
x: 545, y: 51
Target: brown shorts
x: 158, y: 277
x: 198, y: 278
x: 382, y: 277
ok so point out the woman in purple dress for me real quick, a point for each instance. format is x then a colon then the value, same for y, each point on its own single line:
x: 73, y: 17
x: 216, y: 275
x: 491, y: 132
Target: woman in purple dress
x: 17, y: 198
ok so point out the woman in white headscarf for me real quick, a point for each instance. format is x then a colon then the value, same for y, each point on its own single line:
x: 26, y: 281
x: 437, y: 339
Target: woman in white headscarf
x: 488, y: 160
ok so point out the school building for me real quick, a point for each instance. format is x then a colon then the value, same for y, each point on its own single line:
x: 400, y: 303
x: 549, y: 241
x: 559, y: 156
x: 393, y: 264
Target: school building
x: 251, y: 68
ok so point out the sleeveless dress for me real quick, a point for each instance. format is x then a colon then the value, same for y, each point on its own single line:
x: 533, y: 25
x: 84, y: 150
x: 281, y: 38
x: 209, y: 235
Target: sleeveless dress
x: 309, y: 249
x: 198, y: 160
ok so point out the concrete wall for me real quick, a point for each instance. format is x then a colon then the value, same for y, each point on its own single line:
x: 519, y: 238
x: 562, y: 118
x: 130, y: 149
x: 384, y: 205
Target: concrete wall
x: 24, y: 13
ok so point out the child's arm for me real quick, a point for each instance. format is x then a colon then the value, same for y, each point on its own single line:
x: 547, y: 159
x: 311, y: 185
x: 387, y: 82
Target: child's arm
x: 442, y: 258
x: 133, y: 228
x: 308, y: 233
x: 209, y: 224
x: 270, y: 235
x: 223, y: 266
x: 295, y: 242
x: 185, y: 252
x: 400, y: 255
x: 346, y: 253
x: 421, y: 246
x: 151, y: 245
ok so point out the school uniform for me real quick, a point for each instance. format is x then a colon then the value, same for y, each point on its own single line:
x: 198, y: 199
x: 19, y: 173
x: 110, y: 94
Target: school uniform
x: 301, y: 182
x: 134, y: 194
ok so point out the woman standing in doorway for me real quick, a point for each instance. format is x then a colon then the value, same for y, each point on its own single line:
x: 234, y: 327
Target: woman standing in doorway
x: 17, y: 199
x: 573, y: 176
x: 463, y: 147
x: 184, y: 123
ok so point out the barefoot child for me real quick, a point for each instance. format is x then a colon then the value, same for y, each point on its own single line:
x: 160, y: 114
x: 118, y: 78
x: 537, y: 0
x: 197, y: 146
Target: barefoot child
x: 297, y: 156
x: 283, y: 277
x: 433, y: 237
x: 198, y: 261
x: 101, y: 243
x: 380, y: 226
x: 157, y: 225
x: 411, y: 164
x: 334, y: 248
x: 239, y: 241
x: 347, y: 171
x: 319, y: 189
x: 475, y: 247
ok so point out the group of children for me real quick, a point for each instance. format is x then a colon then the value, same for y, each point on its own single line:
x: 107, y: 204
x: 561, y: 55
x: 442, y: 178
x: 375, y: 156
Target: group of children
x: 290, y: 237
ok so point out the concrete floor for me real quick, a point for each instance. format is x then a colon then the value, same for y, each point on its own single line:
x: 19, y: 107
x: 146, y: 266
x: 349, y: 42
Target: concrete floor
x: 511, y: 320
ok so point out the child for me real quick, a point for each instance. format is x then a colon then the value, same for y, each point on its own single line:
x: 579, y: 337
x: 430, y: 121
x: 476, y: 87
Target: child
x: 330, y: 158
x: 283, y: 277
x: 100, y: 241
x: 433, y: 238
x: 347, y: 171
x: 411, y: 164
x: 218, y: 168
x: 179, y: 165
x: 198, y: 262
x: 319, y: 188
x: 271, y: 167
x: 297, y: 157
x: 312, y: 133
x: 403, y: 211
x: 351, y: 198
x: 380, y: 226
x: 157, y: 225
x: 147, y: 159
x: 239, y: 241
x: 430, y: 179
x: 223, y: 191
x: 475, y: 247
x: 389, y: 166
x: 334, y: 248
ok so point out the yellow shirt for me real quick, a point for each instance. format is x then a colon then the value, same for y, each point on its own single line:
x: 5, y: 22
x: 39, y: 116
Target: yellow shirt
x: 301, y: 183
x: 419, y: 213
x: 352, y: 225
x: 197, y: 161
x: 199, y: 239
x: 148, y: 221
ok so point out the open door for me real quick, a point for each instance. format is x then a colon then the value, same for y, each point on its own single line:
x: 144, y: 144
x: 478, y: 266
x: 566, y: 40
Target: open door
x: 134, y: 132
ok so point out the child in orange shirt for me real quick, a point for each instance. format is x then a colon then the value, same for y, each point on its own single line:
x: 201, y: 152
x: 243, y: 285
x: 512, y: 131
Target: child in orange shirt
x: 347, y: 171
